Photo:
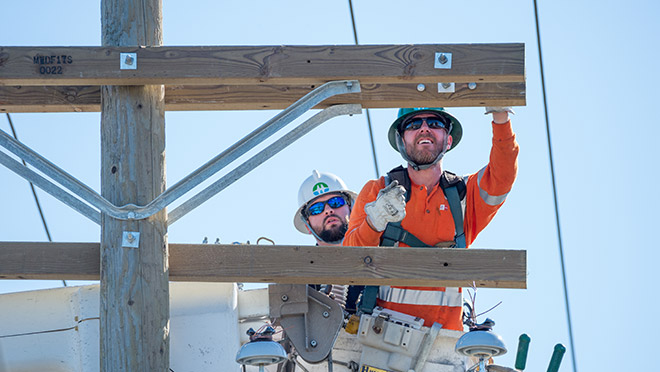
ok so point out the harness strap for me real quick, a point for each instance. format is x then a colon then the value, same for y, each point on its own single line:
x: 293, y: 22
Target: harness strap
x: 370, y: 292
x: 457, y: 213
x: 399, y: 174
x: 394, y: 233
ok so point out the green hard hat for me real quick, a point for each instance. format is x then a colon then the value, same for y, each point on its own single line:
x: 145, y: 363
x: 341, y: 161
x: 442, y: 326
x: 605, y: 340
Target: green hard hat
x: 404, y: 113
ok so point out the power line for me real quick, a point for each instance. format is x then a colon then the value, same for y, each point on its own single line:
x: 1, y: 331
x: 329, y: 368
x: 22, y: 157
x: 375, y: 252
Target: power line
x: 34, y: 192
x: 371, y: 133
x: 350, y: 5
x: 554, y: 192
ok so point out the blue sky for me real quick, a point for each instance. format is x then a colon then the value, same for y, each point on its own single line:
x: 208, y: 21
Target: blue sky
x: 600, y: 62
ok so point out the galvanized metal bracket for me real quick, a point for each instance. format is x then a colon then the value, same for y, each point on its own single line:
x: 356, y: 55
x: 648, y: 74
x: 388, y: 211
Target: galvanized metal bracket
x: 310, y: 319
x: 442, y: 60
x: 82, y: 198
x: 130, y: 239
x: 261, y: 157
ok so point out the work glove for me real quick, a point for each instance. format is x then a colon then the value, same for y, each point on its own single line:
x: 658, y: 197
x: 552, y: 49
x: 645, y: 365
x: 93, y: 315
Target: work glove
x: 490, y: 110
x: 389, y: 206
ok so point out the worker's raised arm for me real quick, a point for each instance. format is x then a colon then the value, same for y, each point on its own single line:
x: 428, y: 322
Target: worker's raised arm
x: 488, y: 188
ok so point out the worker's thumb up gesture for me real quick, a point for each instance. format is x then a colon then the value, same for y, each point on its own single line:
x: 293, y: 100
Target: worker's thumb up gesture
x: 389, y: 206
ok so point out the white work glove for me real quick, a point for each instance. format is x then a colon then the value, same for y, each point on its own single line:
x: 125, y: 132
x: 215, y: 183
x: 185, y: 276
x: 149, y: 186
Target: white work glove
x: 490, y: 110
x: 389, y: 206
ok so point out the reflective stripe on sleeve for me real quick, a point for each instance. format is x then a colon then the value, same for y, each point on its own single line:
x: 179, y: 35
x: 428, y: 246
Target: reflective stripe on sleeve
x: 489, y: 199
x: 450, y: 297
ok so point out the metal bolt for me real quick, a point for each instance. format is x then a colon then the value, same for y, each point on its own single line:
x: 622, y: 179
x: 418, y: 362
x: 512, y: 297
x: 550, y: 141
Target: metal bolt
x: 313, y: 343
x: 326, y: 314
x: 128, y: 60
x: 472, y: 86
x: 130, y: 238
x: 285, y: 298
x: 131, y: 215
x: 367, y: 260
x: 421, y: 87
x: 349, y: 84
x: 446, y: 85
x: 442, y: 59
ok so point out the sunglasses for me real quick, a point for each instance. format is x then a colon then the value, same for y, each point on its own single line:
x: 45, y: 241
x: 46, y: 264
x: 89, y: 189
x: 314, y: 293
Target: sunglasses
x: 416, y: 123
x: 318, y: 207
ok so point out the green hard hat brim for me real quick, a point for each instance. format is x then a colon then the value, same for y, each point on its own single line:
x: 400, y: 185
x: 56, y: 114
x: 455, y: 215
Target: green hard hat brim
x: 456, y: 128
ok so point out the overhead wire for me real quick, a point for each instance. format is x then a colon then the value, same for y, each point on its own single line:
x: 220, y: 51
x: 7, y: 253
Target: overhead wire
x: 34, y: 192
x: 554, y: 191
x: 371, y: 133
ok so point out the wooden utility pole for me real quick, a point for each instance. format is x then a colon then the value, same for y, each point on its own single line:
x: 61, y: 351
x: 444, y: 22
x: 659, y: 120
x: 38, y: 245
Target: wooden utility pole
x: 134, y: 305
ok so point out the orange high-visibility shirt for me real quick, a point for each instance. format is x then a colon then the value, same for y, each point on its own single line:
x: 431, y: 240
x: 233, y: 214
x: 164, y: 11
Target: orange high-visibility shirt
x: 429, y: 218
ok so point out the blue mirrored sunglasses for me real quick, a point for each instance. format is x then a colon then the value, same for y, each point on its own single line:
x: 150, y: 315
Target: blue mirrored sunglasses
x: 416, y: 123
x: 318, y: 207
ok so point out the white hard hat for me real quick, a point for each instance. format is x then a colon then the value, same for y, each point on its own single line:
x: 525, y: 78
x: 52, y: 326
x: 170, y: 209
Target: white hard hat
x: 314, y: 186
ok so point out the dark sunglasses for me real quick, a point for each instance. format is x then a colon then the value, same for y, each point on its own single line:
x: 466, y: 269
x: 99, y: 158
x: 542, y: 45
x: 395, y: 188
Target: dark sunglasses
x: 318, y: 207
x: 416, y: 123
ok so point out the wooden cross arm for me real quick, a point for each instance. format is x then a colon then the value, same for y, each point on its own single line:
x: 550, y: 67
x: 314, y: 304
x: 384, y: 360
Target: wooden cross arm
x: 264, y: 97
x: 284, y: 264
x: 248, y: 65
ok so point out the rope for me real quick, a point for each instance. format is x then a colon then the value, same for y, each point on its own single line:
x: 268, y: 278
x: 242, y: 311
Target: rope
x: 554, y: 192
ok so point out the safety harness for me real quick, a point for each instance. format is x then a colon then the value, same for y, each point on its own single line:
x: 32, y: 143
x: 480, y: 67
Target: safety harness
x: 454, y: 188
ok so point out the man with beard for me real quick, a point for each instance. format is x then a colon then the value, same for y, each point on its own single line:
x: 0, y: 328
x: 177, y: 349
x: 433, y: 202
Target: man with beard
x: 325, y: 206
x: 424, y: 206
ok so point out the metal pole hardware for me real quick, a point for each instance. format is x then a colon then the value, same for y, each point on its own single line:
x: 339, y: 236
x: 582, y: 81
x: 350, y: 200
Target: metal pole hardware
x: 49, y: 187
x: 134, y: 212
x: 261, y: 157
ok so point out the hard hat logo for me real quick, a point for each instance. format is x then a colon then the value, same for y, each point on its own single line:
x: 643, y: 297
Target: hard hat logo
x: 320, y: 188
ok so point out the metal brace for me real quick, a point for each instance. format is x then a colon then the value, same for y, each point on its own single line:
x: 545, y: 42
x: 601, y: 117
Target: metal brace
x: 130, y: 239
x: 311, y: 319
x: 73, y: 190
